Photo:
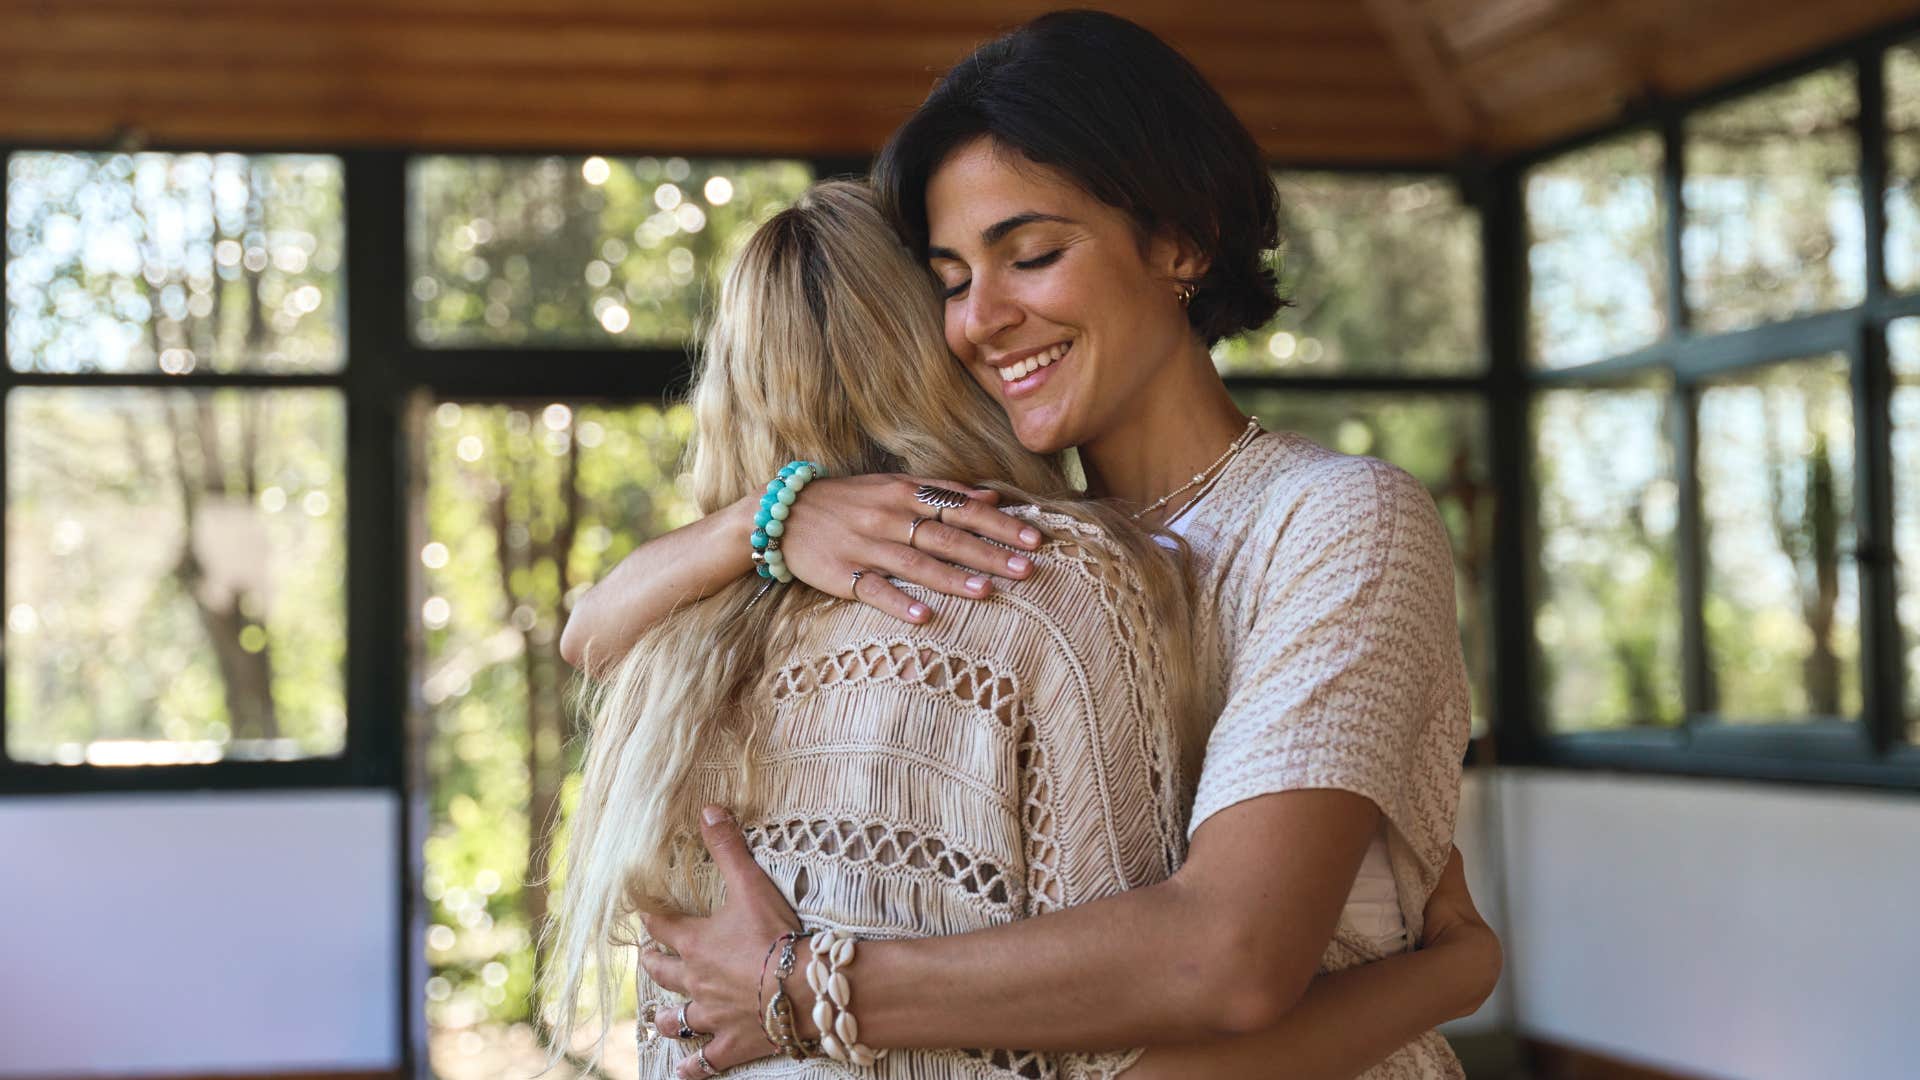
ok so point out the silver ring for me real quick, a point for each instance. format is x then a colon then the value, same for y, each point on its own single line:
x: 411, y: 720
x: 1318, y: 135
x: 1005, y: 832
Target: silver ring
x: 853, y: 589
x: 937, y: 496
x: 915, y: 527
x: 706, y: 1066
x: 685, y: 1031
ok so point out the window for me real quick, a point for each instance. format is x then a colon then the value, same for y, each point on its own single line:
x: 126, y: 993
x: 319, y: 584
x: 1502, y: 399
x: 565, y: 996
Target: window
x: 1607, y: 621
x: 1772, y: 197
x: 589, y: 250
x: 1903, y: 339
x: 526, y: 504
x: 175, y: 558
x: 174, y: 263
x: 1595, y: 268
x: 1782, y: 599
x: 1383, y: 276
x: 1721, y: 537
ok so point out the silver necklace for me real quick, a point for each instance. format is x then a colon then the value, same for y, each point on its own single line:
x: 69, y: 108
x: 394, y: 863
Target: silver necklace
x: 1240, y: 443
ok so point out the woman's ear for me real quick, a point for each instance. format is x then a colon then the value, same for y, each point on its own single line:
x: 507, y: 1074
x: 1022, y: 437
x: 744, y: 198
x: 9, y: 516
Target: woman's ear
x: 1173, y: 255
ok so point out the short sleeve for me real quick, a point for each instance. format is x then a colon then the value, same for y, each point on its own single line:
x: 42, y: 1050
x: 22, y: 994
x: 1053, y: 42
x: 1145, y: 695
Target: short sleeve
x: 1347, y: 673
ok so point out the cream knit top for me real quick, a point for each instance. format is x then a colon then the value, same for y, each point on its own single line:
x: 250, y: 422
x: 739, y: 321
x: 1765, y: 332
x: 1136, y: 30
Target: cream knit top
x: 1326, y: 612
x: 1014, y: 756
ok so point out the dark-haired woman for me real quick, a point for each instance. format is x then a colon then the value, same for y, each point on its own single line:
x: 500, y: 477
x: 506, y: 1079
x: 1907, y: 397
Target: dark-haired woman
x: 1095, y: 219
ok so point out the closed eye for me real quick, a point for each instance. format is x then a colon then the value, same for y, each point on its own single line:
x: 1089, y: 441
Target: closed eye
x: 1036, y: 263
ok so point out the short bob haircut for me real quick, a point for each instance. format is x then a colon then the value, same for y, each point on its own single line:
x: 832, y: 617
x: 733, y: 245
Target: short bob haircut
x: 1130, y: 120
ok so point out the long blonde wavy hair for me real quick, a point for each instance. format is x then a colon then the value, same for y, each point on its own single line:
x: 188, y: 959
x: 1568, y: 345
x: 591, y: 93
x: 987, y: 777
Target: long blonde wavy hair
x: 825, y: 345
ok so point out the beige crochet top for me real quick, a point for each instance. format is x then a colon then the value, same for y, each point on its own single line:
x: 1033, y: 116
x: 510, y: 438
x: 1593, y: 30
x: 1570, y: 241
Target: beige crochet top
x: 1014, y: 756
x: 1326, y: 588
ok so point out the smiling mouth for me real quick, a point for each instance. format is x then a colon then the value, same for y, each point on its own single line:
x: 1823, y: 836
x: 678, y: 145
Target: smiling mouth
x: 1016, y: 372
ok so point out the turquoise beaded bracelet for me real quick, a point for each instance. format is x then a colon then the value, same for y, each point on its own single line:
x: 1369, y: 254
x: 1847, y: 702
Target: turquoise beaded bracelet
x: 770, y: 521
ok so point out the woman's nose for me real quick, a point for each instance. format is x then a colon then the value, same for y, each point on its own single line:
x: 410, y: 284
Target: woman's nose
x: 989, y: 311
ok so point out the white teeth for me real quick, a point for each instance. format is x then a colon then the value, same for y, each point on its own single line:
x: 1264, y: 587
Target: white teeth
x: 1015, y: 372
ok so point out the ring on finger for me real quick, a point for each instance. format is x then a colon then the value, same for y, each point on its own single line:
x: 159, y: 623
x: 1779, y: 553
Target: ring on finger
x: 915, y: 527
x: 941, y: 498
x: 854, y: 588
x: 685, y: 1031
x: 706, y: 1067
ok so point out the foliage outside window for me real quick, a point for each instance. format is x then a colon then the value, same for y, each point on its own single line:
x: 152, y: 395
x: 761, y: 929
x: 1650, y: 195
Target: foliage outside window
x: 1383, y: 273
x: 526, y: 506
x: 175, y: 263
x: 1773, y: 224
x: 595, y: 250
x: 1782, y: 591
x: 1596, y: 271
x: 176, y: 559
x: 1608, y: 622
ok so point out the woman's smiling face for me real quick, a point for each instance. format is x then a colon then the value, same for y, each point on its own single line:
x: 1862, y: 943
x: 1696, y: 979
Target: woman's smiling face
x: 1053, y: 301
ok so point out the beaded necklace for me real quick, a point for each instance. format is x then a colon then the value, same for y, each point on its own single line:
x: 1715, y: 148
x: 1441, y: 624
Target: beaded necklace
x: 1240, y: 443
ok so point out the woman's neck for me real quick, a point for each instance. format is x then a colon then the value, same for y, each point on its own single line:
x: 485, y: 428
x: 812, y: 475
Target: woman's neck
x: 1179, y: 424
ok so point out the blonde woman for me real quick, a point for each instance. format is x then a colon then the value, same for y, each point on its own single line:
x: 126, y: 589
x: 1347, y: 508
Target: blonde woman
x: 1023, y: 754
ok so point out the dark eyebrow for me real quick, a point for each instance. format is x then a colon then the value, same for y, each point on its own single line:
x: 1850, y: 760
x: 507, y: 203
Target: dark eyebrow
x: 998, y: 231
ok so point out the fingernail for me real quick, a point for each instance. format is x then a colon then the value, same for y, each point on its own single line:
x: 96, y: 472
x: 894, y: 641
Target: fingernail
x: 714, y: 815
x: 1029, y: 536
x: 918, y: 611
x: 977, y: 584
x: 1018, y: 565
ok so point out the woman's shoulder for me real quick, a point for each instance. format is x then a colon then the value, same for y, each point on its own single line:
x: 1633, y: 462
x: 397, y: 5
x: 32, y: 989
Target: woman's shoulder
x: 1294, y: 486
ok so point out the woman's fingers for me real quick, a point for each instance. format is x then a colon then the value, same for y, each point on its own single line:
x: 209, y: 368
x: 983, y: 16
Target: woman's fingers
x: 723, y: 1053
x: 950, y: 542
x: 670, y: 973
x: 874, y: 590
x: 669, y: 929
x: 986, y: 519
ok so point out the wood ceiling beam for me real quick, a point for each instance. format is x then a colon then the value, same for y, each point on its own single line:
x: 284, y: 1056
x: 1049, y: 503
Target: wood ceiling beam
x: 1411, y: 37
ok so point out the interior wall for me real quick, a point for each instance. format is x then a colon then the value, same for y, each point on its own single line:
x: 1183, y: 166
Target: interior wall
x: 198, y: 932
x: 1706, y: 927
x: 1716, y: 928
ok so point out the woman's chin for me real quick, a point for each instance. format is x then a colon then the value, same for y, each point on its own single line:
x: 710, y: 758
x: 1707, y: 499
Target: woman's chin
x: 1046, y: 434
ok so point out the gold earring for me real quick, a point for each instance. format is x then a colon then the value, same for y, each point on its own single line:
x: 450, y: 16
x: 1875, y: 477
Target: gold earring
x: 1183, y: 292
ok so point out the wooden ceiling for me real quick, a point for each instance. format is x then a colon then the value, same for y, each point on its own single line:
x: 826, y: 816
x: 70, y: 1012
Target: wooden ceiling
x: 1317, y: 80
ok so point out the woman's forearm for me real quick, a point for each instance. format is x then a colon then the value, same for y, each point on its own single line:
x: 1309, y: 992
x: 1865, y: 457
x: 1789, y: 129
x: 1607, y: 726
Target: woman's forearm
x: 1226, y: 947
x: 680, y: 567
x: 1348, y: 1021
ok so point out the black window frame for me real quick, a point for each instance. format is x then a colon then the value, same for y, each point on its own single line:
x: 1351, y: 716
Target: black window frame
x: 1872, y: 752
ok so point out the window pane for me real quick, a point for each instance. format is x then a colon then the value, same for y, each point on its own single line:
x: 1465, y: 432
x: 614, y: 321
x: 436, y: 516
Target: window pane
x: 1782, y: 593
x: 1608, y: 621
x: 525, y: 506
x: 1903, y: 339
x: 174, y: 262
x: 1596, y: 270
x: 1439, y: 439
x: 176, y: 568
x: 579, y: 250
x: 1384, y: 275
x: 1903, y: 166
x: 1772, y: 195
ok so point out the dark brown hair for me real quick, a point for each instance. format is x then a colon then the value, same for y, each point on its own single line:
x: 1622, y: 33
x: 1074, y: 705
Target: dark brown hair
x: 1131, y: 121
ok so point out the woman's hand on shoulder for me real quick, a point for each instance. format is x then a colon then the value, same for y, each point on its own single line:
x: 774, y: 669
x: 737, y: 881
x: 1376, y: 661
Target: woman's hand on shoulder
x: 844, y: 524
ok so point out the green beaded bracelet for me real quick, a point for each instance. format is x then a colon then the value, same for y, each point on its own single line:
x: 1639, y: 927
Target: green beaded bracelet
x: 770, y: 521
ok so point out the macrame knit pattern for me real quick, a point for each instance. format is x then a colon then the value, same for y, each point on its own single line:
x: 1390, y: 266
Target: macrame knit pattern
x: 1014, y: 756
